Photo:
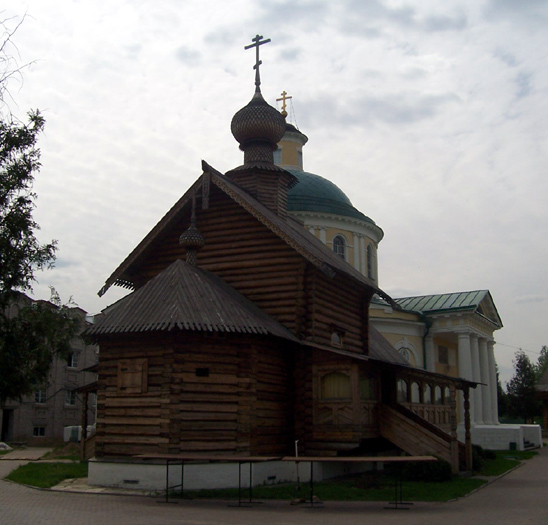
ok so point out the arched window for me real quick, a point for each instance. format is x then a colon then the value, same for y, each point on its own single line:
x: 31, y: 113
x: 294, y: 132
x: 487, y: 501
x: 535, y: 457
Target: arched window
x: 438, y: 395
x: 370, y: 262
x: 446, y: 396
x: 405, y: 353
x: 336, y: 385
x: 415, y: 392
x: 339, y: 246
x: 402, y: 391
x: 427, y: 394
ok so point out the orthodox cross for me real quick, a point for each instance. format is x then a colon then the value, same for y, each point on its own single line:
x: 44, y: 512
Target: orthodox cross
x: 283, y: 99
x: 257, y: 41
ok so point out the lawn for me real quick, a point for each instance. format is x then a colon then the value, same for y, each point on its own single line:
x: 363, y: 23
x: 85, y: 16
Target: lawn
x: 363, y: 487
x: 46, y: 475
x: 357, y: 488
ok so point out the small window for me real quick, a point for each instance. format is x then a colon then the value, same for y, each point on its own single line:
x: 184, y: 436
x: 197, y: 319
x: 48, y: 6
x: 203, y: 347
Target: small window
x: 202, y: 372
x: 336, y: 339
x: 40, y: 396
x: 72, y: 360
x: 278, y: 156
x: 443, y: 355
x: 339, y: 246
x: 336, y: 386
x: 132, y: 376
x: 39, y: 431
x: 70, y: 398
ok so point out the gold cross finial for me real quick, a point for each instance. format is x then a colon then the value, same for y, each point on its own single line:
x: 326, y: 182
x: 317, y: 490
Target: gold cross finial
x: 284, y: 105
x: 257, y: 41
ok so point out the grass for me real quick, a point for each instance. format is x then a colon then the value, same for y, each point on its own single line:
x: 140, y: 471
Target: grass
x: 363, y: 487
x: 358, y: 488
x: 66, y: 451
x: 47, y: 475
x: 505, y: 460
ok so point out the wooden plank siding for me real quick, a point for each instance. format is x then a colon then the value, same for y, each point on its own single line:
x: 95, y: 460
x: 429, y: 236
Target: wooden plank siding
x: 221, y: 394
x: 261, y: 266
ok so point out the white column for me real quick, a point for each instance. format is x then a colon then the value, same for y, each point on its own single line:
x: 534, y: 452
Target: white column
x: 323, y: 237
x: 465, y: 370
x: 356, y: 251
x: 430, y: 364
x: 475, y: 393
x: 363, y: 255
x: 493, y: 382
x: 485, y: 390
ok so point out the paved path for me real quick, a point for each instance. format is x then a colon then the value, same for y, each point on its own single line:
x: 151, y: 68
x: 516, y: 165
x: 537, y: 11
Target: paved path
x: 518, y: 498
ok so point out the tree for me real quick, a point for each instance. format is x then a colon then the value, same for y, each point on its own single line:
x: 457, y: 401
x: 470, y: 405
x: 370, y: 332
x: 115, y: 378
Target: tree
x: 30, y: 335
x: 522, y: 401
x: 542, y: 363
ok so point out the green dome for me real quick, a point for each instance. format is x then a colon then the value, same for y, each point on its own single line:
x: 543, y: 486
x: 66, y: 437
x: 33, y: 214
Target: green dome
x: 314, y: 193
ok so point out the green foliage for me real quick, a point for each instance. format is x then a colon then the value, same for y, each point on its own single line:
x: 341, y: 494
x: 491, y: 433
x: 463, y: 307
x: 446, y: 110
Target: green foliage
x: 522, y: 400
x: 542, y: 363
x: 20, y: 252
x: 30, y: 336
x: 47, y: 475
x: 29, y: 340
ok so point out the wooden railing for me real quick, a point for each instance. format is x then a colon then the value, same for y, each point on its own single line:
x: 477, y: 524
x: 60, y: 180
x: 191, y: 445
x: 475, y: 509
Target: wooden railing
x: 416, y: 436
x: 88, y: 447
x: 439, y: 415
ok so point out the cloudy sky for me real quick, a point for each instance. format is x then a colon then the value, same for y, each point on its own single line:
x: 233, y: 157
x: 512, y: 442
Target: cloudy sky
x: 430, y: 115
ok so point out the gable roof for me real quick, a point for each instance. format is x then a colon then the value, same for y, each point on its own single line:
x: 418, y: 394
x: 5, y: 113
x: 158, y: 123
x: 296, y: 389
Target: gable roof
x: 185, y: 297
x: 479, y: 302
x: 288, y: 229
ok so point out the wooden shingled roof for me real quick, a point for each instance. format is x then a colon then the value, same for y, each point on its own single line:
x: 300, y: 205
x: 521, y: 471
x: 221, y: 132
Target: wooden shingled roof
x: 185, y: 297
x: 288, y: 229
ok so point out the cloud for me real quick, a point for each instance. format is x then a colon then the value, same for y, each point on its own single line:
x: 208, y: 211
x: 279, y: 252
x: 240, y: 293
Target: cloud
x: 523, y: 83
x: 527, y: 299
x: 398, y: 109
x: 187, y: 56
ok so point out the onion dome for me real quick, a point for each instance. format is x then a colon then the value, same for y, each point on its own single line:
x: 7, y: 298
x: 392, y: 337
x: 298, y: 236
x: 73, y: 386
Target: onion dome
x: 258, y: 127
x: 192, y: 239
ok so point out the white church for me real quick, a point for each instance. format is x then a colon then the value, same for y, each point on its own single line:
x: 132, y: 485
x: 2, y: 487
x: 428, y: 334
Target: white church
x: 451, y: 333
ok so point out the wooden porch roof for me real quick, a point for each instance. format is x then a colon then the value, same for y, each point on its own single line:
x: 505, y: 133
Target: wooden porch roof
x: 185, y: 297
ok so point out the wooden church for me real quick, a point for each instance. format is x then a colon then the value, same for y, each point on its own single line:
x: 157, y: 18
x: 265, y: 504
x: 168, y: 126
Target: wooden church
x: 244, y: 333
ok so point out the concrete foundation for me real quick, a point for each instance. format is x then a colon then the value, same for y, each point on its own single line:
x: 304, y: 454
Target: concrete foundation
x: 152, y: 476
x: 505, y: 437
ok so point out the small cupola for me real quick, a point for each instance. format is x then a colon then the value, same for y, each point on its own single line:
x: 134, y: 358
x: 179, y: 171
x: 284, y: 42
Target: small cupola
x: 192, y: 239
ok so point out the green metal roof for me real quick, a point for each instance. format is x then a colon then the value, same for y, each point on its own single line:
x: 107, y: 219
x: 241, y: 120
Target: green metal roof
x: 314, y: 193
x: 479, y: 301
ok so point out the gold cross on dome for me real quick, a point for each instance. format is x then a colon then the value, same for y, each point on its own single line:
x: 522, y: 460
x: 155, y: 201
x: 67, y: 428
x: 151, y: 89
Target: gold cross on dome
x: 257, y: 41
x: 284, y: 105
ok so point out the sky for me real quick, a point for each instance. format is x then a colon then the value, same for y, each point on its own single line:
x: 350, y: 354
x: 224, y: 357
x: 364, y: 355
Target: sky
x: 431, y: 116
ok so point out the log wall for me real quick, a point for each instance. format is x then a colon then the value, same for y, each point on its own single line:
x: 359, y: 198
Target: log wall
x: 210, y: 394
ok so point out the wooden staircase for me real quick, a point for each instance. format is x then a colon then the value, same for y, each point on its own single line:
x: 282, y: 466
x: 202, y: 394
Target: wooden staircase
x: 418, y: 437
